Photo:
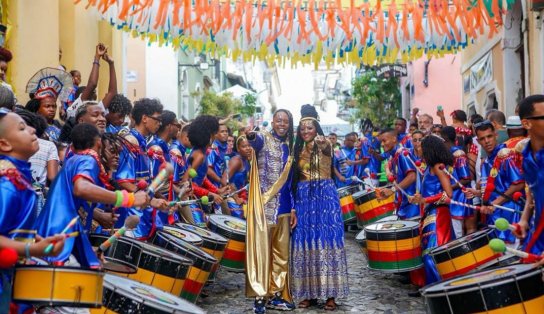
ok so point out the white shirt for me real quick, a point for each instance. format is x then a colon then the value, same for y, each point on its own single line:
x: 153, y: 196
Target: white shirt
x: 38, y: 162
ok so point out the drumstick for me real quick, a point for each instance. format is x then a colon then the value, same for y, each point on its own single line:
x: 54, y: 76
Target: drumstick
x: 72, y: 222
x: 72, y: 234
x: 367, y: 171
x: 498, y: 245
x: 418, y: 170
x: 227, y: 158
x: 479, y: 207
x: 204, y: 200
x: 443, y: 168
x: 502, y: 224
x: 245, y: 187
x: 160, y: 178
x: 130, y: 223
x: 392, y: 180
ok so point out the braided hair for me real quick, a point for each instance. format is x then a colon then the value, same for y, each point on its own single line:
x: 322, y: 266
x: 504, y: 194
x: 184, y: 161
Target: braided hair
x: 290, y: 131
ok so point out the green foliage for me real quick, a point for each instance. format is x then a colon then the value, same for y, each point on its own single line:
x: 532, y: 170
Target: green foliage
x: 218, y: 105
x: 378, y: 99
x: 248, y: 106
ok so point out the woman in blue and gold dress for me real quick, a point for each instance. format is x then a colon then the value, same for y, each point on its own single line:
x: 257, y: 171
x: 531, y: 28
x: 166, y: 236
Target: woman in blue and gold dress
x: 318, y: 258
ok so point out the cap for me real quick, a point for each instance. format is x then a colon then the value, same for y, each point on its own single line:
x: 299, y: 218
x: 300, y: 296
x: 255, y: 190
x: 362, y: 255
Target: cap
x: 513, y: 122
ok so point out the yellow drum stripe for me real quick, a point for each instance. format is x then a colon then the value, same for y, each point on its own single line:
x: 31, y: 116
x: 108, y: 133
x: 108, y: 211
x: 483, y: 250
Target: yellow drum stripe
x: 346, y: 200
x: 532, y: 306
x: 236, y: 246
x: 198, y: 275
x: 466, y: 260
x: 392, y: 245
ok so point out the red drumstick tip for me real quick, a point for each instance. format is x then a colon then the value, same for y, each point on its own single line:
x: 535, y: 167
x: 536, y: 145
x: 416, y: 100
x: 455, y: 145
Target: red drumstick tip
x: 391, y: 179
x: 441, y: 167
x: 405, y: 153
x: 418, y: 163
x: 517, y: 195
x: 8, y: 257
x: 142, y: 185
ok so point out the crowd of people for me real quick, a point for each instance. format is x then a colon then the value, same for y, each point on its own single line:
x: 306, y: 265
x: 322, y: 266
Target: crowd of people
x: 95, y: 159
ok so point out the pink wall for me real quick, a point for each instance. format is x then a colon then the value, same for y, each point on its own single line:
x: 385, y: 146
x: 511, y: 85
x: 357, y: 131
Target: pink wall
x: 445, y: 85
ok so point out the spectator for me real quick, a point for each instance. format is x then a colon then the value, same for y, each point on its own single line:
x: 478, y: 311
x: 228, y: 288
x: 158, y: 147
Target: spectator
x: 498, y: 119
x: 7, y: 99
x: 425, y: 123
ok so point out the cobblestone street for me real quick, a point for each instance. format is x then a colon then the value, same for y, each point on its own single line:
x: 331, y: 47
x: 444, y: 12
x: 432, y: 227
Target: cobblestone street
x: 371, y: 291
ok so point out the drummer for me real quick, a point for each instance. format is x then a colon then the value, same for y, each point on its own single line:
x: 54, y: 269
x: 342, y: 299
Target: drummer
x: 348, y: 161
x: 79, y: 186
x: 404, y: 172
x: 216, y: 155
x: 17, y: 208
x: 500, y: 179
x: 531, y: 112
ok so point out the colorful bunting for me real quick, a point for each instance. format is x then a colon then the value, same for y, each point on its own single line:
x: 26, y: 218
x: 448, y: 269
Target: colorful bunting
x: 309, y: 31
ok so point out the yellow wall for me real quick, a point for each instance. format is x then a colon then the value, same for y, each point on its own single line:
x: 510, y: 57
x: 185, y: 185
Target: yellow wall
x: 40, y: 28
x: 136, y: 61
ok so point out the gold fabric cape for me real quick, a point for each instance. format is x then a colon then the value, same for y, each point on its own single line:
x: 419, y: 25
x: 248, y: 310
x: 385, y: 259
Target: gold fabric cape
x: 257, y: 238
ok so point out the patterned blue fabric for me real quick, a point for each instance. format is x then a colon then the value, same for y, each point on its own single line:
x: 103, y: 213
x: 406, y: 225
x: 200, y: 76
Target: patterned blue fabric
x: 177, y: 156
x: 53, y: 132
x: 534, y: 176
x: 318, y: 258
x: 508, y: 174
x: 371, y: 142
x: 401, y: 167
x: 405, y: 140
x: 155, y: 162
x: 62, y: 205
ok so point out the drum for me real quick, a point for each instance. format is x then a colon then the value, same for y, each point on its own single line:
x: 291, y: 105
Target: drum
x: 235, y: 209
x: 346, y: 202
x: 505, y: 260
x: 394, y: 246
x: 510, y: 289
x: 212, y: 244
x: 369, y: 209
x: 122, y: 295
x: 184, y: 235
x: 234, y: 229
x: 162, y: 269
x: 122, y: 256
x: 464, y: 254
x: 203, y: 263
x: 58, y: 286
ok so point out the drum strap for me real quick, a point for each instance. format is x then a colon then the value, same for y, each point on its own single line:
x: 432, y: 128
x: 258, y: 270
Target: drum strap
x: 538, y: 231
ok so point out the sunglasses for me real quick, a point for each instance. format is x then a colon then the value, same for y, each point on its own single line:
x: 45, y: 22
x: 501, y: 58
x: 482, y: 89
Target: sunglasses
x: 535, y: 118
x: 156, y: 119
x: 479, y: 124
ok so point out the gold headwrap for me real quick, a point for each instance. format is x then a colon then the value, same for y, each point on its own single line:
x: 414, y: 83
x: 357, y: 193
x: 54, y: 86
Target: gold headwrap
x: 307, y: 120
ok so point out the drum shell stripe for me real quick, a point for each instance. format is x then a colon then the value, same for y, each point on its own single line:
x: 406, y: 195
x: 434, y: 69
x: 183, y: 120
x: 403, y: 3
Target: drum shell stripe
x: 376, y: 213
x: 398, y: 235
x: 201, y: 259
x: 398, y: 256
x: 441, y: 254
x: 393, y: 246
x: 397, y: 266
x: 463, y: 264
x: 227, y: 233
x: 165, y: 283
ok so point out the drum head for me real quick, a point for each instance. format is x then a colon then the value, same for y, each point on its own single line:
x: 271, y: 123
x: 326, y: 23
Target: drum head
x: 149, y: 296
x: 360, y: 237
x: 229, y: 223
x: 188, y: 248
x: 118, y: 267
x: 391, y: 226
x: 205, y: 234
x: 388, y: 218
x: 184, y: 235
x: 483, y: 279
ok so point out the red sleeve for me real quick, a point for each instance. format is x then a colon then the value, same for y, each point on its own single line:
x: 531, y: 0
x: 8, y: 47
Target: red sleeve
x: 199, y: 191
x: 209, y: 185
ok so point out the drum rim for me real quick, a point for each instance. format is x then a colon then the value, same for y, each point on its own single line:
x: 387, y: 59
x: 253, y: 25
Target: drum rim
x: 169, y: 258
x: 192, y: 249
x: 358, y: 233
x: 405, y: 228
x: 220, y: 226
x: 212, y: 236
x: 442, y: 249
x: 121, y: 239
x: 122, y: 263
x: 198, y: 239
x: 67, y: 269
x: 527, y: 272
x: 143, y: 300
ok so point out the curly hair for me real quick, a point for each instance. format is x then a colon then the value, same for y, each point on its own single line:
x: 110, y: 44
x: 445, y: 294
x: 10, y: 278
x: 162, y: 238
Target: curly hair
x: 33, y: 105
x: 435, y: 151
x: 84, y: 136
x: 201, y: 131
x: 120, y: 104
x: 145, y: 106
x: 448, y: 134
x: 34, y: 120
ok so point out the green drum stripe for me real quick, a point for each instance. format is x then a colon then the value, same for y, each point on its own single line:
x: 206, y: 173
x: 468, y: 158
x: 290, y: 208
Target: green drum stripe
x: 188, y: 296
x: 348, y: 215
x: 232, y: 264
x: 395, y: 265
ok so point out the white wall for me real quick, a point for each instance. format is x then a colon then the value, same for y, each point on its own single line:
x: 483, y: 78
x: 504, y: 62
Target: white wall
x: 162, y: 75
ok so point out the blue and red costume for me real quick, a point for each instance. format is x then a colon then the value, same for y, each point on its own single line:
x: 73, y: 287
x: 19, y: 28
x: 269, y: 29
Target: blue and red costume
x: 62, y: 206
x: 499, y: 172
x: 347, y: 171
x: 436, y: 227
x: 400, y: 167
x: 216, y: 159
x: 533, y: 163
x: 405, y: 140
x: 17, y: 213
x: 460, y: 171
x: 134, y: 166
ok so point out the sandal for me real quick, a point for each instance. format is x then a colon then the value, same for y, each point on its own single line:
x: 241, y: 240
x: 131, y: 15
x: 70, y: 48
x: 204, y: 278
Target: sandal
x: 330, y: 305
x: 304, y: 304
